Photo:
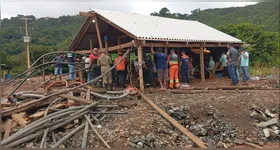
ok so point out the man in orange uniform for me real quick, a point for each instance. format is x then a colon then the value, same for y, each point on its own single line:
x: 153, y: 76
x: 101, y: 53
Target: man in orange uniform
x: 120, y: 70
x: 173, y: 69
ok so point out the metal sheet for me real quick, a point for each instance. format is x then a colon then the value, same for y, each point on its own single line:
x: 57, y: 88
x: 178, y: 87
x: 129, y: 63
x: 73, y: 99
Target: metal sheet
x: 165, y: 29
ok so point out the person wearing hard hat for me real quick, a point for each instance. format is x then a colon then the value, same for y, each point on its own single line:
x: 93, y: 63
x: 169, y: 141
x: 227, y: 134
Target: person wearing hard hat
x: 104, y: 61
x: 120, y: 70
x: 173, y: 69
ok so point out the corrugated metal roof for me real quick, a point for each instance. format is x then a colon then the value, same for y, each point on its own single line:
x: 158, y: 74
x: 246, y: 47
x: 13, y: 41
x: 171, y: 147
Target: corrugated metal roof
x: 165, y: 29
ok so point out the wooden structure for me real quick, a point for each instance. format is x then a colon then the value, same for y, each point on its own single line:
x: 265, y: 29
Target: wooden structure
x: 131, y: 30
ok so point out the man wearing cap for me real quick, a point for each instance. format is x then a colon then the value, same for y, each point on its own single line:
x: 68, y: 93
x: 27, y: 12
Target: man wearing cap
x: 184, y: 67
x: 71, y: 66
x: 173, y: 69
x: 232, y: 55
x: 93, y: 63
x: 120, y: 70
x: 161, y: 59
x: 244, y: 64
x: 105, y: 62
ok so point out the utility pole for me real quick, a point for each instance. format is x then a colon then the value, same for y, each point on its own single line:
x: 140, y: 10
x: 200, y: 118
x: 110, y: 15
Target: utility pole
x: 26, y: 41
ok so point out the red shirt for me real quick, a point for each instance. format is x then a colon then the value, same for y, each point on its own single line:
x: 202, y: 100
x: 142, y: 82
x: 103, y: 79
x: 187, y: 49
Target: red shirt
x: 93, y: 58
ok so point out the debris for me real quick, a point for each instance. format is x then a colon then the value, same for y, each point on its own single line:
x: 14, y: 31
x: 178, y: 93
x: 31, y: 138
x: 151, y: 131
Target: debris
x: 238, y: 142
x: 198, y: 130
x: 257, y: 116
x: 269, y: 113
x: 266, y: 132
x: 252, y: 145
x: 249, y: 140
x: 268, y: 123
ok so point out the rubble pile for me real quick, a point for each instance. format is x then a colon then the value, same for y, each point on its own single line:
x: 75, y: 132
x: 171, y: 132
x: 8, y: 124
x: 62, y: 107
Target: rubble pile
x: 267, y: 121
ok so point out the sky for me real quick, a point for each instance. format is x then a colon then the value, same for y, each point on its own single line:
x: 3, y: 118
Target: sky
x: 58, y: 8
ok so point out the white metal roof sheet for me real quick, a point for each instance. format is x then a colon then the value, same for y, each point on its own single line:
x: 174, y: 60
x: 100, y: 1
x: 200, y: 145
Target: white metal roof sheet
x: 165, y: 29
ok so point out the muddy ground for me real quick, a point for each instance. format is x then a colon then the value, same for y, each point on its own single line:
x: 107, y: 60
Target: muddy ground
x: 218, y: 118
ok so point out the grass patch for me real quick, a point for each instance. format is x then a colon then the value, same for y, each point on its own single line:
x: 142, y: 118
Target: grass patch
x: 262, y: 70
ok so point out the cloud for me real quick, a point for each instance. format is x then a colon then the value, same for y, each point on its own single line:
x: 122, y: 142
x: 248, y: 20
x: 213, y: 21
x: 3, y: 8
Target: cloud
x: 56, y: 9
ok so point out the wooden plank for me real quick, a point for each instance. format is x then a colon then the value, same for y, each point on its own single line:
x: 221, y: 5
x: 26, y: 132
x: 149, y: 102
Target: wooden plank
x: 112, y: 48
x: 183, y: 44
x: 202, y: 75
x: 19, y: 119
x: 98, y: 33
x: 87, y: 14
x: 140, y: 59
x: 41, y: 114
x: 182, y: 129
x: 8, y: 128
x: 76, y: 99
x: 88, y: 94
x: 85, y: 30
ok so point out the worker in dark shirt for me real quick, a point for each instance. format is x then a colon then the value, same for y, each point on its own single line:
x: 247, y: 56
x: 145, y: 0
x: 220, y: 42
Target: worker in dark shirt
x: 161, y: 58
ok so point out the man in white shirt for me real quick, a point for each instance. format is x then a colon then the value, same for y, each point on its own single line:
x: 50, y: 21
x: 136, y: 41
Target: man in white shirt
x: 87, y: 65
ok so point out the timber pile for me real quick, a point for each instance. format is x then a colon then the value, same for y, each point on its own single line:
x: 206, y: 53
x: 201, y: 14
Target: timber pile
x: 33, y: 116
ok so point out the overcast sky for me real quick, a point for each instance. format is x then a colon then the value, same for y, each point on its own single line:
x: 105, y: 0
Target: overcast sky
x: 61, y: 7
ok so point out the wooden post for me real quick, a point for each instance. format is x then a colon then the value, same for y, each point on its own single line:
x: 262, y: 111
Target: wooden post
x: 178, y: 54
x: 141, y: 80
x: 90, y: 44
x: 98, y: 32
x: 165, y: 50
x: 119, y: 41
x: 44, y: 76
x: 202, y: 64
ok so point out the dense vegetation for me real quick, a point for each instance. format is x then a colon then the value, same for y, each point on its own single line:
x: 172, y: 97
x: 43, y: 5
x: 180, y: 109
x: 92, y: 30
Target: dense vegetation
x: 256, y: 24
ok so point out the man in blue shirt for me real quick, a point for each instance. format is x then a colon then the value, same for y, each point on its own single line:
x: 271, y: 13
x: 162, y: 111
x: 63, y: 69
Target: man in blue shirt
x: 71, y: 66
x: 161, y: 59
x: 58, y: 66
x: 244, y: 65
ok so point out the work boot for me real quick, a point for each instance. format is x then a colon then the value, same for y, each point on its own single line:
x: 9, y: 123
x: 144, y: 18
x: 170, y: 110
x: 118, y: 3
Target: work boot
x: 110, y: 87
x: 106, y: 86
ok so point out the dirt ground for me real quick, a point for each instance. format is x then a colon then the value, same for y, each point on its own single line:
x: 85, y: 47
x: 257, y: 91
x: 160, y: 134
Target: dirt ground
x: 143, y: 127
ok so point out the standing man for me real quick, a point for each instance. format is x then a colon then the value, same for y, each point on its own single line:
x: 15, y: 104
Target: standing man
x: 58, y: 66
x: 173, y: 69
x: 105, y: 62
x: 224, y: 62
x: 120, y: 70
x: 211, y: 66
x: 150, y: 70
x: 88, y: 73
x: 161, y: 59
x: 93, y: 63
x: 244, y: 64
x: 232, y: 55
x: 71, y: 66
x: 184, y: 68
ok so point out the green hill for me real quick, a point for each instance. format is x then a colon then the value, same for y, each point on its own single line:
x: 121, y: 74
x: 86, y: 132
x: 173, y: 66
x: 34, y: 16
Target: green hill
x: 265, y: 13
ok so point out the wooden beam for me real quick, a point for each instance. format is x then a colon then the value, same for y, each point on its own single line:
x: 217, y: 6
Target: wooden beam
x: 178, y: 45
x: 125, y: 45
x: 85, y: 30
x: 88, y: 14
x: 76, y: 99
x: 182, y: 129
x: 141, y: 80
x: 19, y: 119
x: 8, y: 129
x: 202, y: 64
x: 98, y: 33
x: 119, y: 41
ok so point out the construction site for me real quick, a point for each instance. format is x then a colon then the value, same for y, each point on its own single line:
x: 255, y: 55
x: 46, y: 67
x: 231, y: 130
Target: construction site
x: 49, y: 111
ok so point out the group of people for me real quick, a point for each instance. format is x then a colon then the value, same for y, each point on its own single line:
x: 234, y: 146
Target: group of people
x: 163, y: 68
x: 230, y: 63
